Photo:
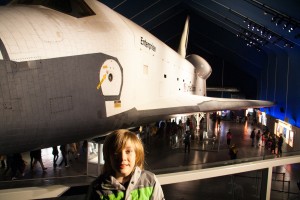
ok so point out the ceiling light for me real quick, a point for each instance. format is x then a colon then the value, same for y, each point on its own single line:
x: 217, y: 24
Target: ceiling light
x: 274, y: 18
x: 292, y: 27
x: 285, y: 25
x: 270, y: 36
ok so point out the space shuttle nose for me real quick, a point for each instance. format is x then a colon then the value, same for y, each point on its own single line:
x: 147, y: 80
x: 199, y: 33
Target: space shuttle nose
x: 203, y: 69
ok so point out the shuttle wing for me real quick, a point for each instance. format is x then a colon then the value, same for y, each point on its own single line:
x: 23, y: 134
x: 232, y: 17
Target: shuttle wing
x: 194, y: 104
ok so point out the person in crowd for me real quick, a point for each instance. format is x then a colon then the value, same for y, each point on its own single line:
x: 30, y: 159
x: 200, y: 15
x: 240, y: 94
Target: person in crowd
x: 64, y: 152
x: 9, y: 161
x: 84, y: 146
x: 187, y: 125
x: 55, y: 156
x: 147, y: 132
x: 268, y: 141
x: 123, y: 175
x: 191, y: 128
x: 218, y: 121
x: 36, y: 156
x: 252, y: 136
x: 228, y: 137
x: 273, y: 144
x: 263, y: 140
x: 257, y: 137
x: 17, y: 165
x: 187, y: 141
x: 2, y: 159
x: 181, y: 127
x: 72, y: 151
x: 279, y: 145
x: 233, y: 152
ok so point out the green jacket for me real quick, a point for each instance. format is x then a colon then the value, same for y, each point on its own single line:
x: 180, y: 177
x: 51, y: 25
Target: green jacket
x: 143, y: 185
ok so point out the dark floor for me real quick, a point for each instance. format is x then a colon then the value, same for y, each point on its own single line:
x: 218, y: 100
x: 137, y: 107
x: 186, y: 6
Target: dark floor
x: 161, y: 157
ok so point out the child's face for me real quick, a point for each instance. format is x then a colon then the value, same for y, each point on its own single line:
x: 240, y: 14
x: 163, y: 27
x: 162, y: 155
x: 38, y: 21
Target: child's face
x: 123, y: 162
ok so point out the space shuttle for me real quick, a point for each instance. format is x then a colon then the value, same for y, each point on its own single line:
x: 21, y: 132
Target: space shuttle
x: 72, y: 70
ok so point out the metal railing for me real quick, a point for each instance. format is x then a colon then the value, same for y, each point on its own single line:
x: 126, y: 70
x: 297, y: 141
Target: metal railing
x: 190, y: 173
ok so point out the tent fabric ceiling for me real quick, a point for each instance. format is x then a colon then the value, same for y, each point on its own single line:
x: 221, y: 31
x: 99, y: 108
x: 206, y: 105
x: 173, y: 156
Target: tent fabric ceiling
x: 160, y: 16
x: 216, y: 24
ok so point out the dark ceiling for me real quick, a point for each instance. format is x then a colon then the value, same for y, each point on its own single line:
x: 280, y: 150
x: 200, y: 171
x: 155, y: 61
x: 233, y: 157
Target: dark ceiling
x: 221, y: 31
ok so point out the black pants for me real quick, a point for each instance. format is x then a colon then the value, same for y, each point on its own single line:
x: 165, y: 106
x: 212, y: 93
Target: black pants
x: 279, y: 150
x: 187, y: 146
x: 64, y: 160
x: 228, y: 141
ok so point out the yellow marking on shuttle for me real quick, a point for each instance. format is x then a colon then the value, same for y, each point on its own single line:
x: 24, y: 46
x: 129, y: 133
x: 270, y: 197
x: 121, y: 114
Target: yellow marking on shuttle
x: 104, y: 67
x: 117, y: 104
x: 100, y: 83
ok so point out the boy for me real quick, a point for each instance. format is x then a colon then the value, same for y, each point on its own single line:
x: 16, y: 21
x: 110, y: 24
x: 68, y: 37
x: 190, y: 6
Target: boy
x: 123, y: 174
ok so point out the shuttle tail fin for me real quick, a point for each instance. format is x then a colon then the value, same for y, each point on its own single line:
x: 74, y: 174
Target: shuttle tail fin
x: 184, y: 38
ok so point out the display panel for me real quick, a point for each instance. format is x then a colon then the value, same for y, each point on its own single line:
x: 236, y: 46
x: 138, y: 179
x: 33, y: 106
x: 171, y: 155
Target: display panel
x: 285, y: 129
x: 291, y: 139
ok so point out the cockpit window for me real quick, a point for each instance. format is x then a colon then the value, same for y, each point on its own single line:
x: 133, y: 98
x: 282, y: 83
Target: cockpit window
x: 75, y: 8
x: 1, y: 57
x: 3, y: 52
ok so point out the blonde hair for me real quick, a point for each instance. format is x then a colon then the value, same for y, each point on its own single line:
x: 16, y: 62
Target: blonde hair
x: 115, y: 142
